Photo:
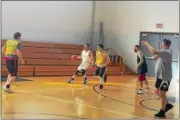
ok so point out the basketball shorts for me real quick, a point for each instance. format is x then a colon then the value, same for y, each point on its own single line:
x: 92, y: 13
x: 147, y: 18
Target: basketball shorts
x: 100, y: 71
x: 83, y: 66
x: 142, y: 77
x: 12, y: 66
x: 162, y: 85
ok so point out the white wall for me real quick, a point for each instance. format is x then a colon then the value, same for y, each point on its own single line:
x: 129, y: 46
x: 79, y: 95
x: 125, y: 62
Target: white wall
x: 48, y: 21
x: 123, y: 21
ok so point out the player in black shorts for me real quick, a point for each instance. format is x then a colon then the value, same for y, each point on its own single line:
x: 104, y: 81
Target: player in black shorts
x: 102, y: 60
x: 163, y: 73
x: 12, y: 50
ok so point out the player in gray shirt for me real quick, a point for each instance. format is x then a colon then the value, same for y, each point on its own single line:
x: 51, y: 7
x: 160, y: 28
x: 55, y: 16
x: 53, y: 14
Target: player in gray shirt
x: 163, y: 73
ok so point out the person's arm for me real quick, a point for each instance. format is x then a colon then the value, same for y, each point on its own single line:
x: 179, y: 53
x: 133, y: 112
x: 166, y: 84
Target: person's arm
x: 140, y: 55
x: 161, y: 54
x: 151, y: 49
x: 3, y: 48
x: 19, y: 52
x: 154, y: 57
x: 107, y: 60
x: 92, y: 58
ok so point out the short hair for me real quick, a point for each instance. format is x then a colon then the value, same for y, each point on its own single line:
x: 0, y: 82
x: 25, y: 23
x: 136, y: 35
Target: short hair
x: 138, y: 46
x: 87, y: 44
x: 101, y: 46
x: 17, y: 35
x: 167, y: 42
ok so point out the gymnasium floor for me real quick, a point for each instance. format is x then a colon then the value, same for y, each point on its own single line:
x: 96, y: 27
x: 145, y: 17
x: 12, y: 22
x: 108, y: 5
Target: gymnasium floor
x: 53, y: 98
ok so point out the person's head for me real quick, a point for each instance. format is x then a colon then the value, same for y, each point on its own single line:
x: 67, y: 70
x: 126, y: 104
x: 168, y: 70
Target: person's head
x: 86, y: 47
x: 17, y: 36
x: 100, y: 47
x: 137, y: 48
x: 166, y: 43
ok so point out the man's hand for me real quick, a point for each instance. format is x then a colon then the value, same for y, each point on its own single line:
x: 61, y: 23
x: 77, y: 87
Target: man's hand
x: 136, y: 69
x: 152, y: 50
x: 145, y: 43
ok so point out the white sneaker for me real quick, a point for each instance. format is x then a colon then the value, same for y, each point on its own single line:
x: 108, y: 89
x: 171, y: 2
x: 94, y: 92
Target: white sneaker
x: 140, y: 91
x: 7, y: 90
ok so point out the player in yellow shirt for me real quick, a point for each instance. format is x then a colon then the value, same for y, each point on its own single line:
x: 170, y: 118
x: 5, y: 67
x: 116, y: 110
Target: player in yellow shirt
x: 12, y: 50
x: 102, y: 60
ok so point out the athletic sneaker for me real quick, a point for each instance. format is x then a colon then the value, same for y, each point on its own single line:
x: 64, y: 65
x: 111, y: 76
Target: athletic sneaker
x: 100, y: 86
x: 140, y: 91
x: 105, y: 78
x: 85, y: 81
x: 7, y: 90
x: 160, y: 114
x: 70, y: 81
x: 168, y: 107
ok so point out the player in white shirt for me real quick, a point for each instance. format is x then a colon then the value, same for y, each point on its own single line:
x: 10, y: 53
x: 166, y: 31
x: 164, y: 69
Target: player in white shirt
x: 87, y: 61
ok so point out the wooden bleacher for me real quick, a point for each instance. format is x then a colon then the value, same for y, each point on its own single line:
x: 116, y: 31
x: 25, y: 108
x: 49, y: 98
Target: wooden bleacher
x: 49, y: 59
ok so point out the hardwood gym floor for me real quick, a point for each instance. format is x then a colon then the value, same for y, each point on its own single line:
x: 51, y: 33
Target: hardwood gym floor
x: 53, y: 98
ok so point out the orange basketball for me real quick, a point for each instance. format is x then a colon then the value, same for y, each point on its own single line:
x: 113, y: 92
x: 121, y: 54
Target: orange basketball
x: 74, y: 57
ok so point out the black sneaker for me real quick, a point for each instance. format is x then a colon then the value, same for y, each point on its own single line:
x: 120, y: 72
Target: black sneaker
x: 70, y: 81
x: 100, y: 86
x: 160, y: 114
x: 85, y: 82
x: 168, y: 107
x: 105, y: 78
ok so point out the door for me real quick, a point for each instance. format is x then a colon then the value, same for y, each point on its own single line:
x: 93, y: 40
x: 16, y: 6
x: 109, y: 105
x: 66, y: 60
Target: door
x: 155, y: 39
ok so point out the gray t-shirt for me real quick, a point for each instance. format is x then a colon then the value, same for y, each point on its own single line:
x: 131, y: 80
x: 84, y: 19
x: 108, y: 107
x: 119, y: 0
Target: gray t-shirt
x: 163, y: 68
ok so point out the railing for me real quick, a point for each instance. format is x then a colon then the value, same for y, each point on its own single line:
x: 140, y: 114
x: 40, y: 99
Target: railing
x: 119, y: 61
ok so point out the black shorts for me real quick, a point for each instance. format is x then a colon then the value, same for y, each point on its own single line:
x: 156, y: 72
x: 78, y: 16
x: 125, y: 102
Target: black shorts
x: 162, y: 85
x: 12, y: 66
x: 82, y: 71
x: 100, y: 71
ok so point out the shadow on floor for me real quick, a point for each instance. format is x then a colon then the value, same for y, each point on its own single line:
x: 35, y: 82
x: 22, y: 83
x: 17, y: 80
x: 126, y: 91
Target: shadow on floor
x: 18, y: 79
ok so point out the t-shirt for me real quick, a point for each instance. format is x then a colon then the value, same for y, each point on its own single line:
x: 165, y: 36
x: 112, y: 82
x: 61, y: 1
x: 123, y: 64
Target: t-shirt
x: 163, y: 68
x: 10, y: 48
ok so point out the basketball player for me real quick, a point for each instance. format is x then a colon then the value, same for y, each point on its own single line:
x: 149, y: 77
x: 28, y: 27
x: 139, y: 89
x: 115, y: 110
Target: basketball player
x: 12, y: 50
x: 102, y: 60
x: 163, y: 73
x: 87, y: 61
x: 141, y: 69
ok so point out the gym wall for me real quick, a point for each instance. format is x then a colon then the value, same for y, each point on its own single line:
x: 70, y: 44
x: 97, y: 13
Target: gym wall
x: 47, y: 21
x: 123, y: 21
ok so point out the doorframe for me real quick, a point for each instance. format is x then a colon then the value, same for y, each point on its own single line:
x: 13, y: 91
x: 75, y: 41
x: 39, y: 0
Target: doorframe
x: 141, y: 32
x: 140, y: 37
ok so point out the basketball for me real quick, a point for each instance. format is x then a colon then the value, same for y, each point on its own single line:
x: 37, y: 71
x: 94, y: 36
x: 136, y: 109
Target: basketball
x: 74, y: 57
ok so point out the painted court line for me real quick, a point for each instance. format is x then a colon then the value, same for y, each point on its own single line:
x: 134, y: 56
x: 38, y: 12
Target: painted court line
x: 66, y: 101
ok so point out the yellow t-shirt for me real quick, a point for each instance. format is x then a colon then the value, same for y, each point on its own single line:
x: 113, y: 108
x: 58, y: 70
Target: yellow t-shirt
x: 99, y: 58
x: 11, y: 46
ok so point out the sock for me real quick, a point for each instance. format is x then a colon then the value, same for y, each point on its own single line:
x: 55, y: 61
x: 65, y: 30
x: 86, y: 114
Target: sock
x: 8, y: 86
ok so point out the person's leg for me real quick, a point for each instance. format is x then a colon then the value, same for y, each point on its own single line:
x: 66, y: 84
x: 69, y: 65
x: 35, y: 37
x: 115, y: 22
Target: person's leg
x: 140, y: 79
x: 163, y: 99
x: 162, y: 112
x: 157, y: 94
x: 73, y: 76
x: 165, y: 106
x: 105, y: 76
x: 101, y: 79
x: 12, y: 66
x: 7, y: 81
x: 84, y: 75
x: 146, y: 83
